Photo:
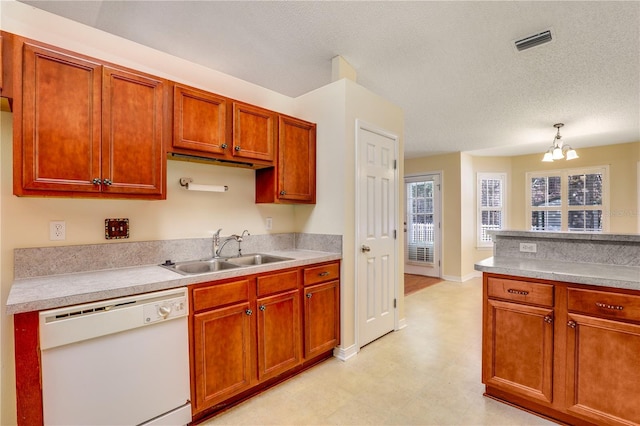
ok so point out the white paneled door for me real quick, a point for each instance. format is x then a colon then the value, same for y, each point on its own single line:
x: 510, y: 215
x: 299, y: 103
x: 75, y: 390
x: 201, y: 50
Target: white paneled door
x: 376, y: 238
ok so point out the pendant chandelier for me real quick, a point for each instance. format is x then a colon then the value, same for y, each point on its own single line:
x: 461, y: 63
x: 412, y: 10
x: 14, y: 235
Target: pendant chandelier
x: 558, y: 150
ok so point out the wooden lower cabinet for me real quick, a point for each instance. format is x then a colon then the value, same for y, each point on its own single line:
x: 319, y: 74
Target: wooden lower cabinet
x: 278, y: 333
x: 247, y: 333
x: 321, y: 308
x: 519, y: 348
x: 577, y: 362
x: 222, y: 356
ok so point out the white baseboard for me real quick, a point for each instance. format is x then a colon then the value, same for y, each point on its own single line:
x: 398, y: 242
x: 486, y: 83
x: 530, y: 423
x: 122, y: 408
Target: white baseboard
x: 402, y: 324
x: 344, y: 354
x: 458, y: 279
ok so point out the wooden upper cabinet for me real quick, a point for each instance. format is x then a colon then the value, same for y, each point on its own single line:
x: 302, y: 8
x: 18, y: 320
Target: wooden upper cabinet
x: 87, y: 129
x: 200, y: 122
x: 132, y: 133
x: 59, y: 148
x: 254, y: 133
x: 293, y: 180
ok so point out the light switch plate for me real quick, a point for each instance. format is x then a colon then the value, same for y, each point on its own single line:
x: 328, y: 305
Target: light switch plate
x: 116, y: 229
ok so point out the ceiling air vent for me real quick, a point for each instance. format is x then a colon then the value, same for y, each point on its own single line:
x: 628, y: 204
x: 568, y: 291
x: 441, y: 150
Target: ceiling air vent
x: 533, y: 40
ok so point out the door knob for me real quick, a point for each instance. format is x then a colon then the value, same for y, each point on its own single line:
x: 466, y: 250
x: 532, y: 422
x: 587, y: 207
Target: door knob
x: 365, y: 249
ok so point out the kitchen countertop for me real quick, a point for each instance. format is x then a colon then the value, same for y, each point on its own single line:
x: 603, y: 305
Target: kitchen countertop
x: 616, y: 276
x: 48, y: 292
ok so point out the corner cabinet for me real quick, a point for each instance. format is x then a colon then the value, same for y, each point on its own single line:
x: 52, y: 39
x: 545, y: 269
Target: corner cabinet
x: 293, y: 179
x: 566, y: 351
x: 321, y: 308
x: 83, y: 128
x: 250, y: 333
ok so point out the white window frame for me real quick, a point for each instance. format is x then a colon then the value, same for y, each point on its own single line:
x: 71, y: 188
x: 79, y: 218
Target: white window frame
x: 502, y: 177
x: 564, y: 207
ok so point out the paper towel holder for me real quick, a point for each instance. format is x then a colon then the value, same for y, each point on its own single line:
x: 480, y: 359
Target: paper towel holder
x: 188, y: 184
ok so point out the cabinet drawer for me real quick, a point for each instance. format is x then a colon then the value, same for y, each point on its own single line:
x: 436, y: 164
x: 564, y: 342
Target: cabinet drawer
x: 520, y: 291
x: 277, y: 282
x: 604, y: 304
x: 319, y: 274
x: 220, y: 294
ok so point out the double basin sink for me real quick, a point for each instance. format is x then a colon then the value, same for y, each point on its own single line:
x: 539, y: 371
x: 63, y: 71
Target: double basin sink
x: 193, y: 267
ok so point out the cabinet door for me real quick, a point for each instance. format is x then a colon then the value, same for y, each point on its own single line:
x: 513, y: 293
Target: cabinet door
x: 222, y: 354
x: 321, y: 318
x: 603, y: 370
x: 200, y: 121
x: 132, y: 154
x: 61, y: 118
x: 254, y: 133
x: 296, y: 160
x: 518, y: 349
x: 278, y: 334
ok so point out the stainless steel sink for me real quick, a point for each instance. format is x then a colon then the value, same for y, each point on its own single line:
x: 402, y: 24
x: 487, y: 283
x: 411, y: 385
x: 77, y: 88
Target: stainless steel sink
x: 200, y: 266
x: 194, y: 267
x: 255, y: 259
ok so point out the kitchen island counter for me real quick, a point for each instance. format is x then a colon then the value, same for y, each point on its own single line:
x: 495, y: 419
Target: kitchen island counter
x: 616, y: 276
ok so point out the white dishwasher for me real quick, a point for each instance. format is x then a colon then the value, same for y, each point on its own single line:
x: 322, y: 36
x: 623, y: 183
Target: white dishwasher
x: 123, y: 361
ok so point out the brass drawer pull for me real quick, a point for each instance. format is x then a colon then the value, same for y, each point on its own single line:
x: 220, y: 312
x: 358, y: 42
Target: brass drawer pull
x: 324, y: 274
x: 513, y: 291
x: 607, y: 306
x: 572, y: 324
x: 548, y: 319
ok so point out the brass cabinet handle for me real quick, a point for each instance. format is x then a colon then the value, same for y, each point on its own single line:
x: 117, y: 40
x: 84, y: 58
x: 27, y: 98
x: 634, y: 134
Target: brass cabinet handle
x: 607, y: 306
x: 107, y: 182
x: 283, y: 192
x: 324, y: 274
x: 223, y: 146
x: 514, y: 291
x: 262, y: 307
x: 572, y: 324
x: 96, y: 181
x: 248, y: 312
x: 548, y: 319
x: 237, y: 148
x: 309, y: 295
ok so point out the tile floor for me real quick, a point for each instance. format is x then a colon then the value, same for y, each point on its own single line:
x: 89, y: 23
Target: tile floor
x: 425, y: 374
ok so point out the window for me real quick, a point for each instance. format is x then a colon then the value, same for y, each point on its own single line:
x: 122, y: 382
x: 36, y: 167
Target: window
x: 491, y: 206
x: 568, y: 200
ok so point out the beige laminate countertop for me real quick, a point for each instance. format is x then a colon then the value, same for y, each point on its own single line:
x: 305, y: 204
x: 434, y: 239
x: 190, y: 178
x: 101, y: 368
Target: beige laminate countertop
x: 616, y: 276
x: 48, y: 292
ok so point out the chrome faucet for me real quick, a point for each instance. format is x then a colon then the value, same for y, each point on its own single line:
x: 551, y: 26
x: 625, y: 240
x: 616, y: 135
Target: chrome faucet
x: 216, y: 243
x: 236, y: 237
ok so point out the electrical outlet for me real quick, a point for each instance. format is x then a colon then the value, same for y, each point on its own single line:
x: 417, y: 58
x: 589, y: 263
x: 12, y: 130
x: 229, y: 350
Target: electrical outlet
x: 57, y: 230
x: 269, y: 223
x: 528, y: 247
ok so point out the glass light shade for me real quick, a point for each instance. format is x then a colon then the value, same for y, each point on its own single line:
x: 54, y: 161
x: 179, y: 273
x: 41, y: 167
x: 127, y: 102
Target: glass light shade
x: 548, y: 157
x: 557, y: 153
x: 572, y: 154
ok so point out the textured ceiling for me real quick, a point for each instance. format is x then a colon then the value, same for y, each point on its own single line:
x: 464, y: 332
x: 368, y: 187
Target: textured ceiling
x: 451, y: 66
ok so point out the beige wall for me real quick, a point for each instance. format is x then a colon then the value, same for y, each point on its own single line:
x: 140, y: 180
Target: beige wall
x: 459, y: 211
x: 451, y: 214
x: 622, y: 160
x: 342, y: 103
